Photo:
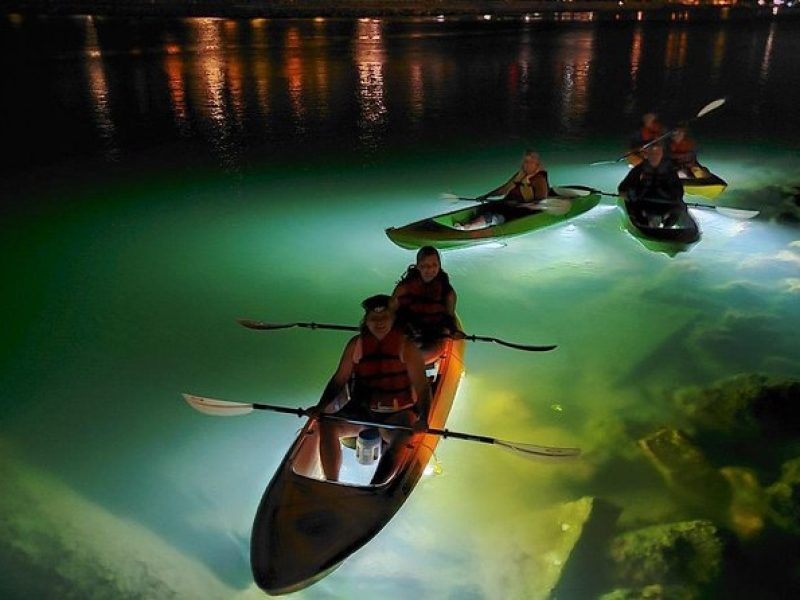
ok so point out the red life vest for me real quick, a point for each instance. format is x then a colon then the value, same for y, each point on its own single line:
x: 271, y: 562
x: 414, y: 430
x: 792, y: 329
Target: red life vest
x: 648, y: 134
x: 381, y: 377
x: 425, y: 303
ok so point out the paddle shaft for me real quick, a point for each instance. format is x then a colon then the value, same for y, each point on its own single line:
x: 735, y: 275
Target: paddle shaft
x: 711, y: 106
x: 226, y: 408
x: 739, y: 213
x: 542, y: 451
x: 261, y: 326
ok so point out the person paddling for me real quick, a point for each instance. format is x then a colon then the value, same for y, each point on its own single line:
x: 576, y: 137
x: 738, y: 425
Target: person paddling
x: 426, y: 302
x: 683, y: 154
x: 520, y: 194
x: 652, y: 190
x: 381, y: 376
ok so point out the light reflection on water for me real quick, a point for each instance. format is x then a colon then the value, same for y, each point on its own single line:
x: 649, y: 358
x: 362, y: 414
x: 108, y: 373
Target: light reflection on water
x: 128, y: 296
x: 98, y: 88
x: 369, y: 58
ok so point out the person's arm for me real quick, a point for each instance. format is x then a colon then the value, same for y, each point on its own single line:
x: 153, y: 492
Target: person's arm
x: 540, y: 185
x: 450, y: 300
x: 394, y: 303
x: 415, y: 365
x: 337, y: 381
x: 450, y: 303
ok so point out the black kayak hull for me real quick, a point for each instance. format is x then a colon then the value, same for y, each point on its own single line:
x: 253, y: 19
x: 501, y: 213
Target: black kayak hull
x: 671, y: 239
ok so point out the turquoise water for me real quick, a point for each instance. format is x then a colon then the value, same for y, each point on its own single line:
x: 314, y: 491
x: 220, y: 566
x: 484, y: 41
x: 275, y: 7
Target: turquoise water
x: 122, y: 291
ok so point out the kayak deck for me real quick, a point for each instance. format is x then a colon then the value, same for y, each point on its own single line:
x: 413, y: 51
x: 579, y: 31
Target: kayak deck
x: 706, y: 184
x: 670, y: 239
x: 440, y: 231
x: 306, y: 526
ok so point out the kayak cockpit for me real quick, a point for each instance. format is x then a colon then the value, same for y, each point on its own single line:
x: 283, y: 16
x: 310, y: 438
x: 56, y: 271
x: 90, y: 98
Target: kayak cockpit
x: 305, y: 462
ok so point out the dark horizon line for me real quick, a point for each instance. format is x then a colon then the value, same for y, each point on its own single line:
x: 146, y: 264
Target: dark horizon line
x: 385, y: 8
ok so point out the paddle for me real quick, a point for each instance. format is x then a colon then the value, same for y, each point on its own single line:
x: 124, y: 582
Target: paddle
x: 711, y: 106
x: 261, y: 326
x: 226, y: 408
x: 735, y: 213
x: 555, y: 206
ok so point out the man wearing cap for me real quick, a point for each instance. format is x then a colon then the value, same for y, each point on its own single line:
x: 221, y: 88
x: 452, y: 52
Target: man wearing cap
x: 388, y: 386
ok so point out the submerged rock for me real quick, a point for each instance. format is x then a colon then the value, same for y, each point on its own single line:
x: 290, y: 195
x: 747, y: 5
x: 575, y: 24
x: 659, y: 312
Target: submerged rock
x: 732, y: 420
x: 748, y: 506
x: 688, y: 553
x: 687, y: 471
x: 745, y: 406
x: 654, y: 592
x: 783, y: 497
x: 583, y: 574
x: 562, y: 547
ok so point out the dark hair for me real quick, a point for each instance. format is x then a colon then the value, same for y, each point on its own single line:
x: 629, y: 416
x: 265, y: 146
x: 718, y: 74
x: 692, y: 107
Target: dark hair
x: 427, y: 251
x: 412, y: 272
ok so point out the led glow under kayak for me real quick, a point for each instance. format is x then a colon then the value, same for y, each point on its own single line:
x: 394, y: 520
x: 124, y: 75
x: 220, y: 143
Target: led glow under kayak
x: 672, y: 239
x: 306, y: 526
x: 441, y: 231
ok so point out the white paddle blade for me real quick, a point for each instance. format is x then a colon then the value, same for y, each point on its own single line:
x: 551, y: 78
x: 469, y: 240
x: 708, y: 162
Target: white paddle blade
x: 711, y: 106
x: 449, y: 197
x: 568, y: 192
x: 737, y: 213
x: 540, y: 452
x: 218, y: 408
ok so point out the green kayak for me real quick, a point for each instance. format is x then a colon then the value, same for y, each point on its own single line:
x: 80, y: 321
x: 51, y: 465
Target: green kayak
x: 441, y: 231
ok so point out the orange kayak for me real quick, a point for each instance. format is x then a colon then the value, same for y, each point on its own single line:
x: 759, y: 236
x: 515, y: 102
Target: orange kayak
x: 307, y: 526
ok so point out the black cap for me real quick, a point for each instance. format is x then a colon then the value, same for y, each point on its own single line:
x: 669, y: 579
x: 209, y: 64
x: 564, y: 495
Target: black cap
x: 378, y: 302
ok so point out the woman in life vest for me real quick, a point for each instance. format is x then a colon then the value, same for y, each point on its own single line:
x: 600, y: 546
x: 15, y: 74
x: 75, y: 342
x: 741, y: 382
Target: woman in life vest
x: 683, y: 153
x: 386, y: 375
x: 651, y: 128
x: 652, y: 191
x: 520, y: 194
x: 650, y: 131
x: 425, y: 302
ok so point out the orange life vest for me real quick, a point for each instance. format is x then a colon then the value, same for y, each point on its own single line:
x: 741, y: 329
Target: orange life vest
x: 381, y: 377
x: 648, y: 134
x: 425, y: 304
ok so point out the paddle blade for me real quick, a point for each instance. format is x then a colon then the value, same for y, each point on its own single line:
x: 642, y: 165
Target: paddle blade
x: 711, y: 106
x: 533, y: 451
x: 218, y: 408
x: 261, y: 326
x: 451, y: 197
x: 587, y: 189
x: 571, y: 191
x: 737, y: 213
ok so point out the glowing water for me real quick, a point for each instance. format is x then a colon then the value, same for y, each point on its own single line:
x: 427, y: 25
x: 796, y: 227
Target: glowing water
x: 121, y: 294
